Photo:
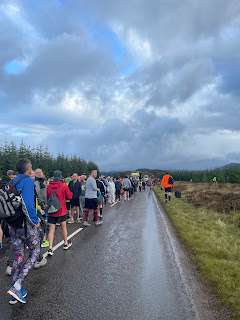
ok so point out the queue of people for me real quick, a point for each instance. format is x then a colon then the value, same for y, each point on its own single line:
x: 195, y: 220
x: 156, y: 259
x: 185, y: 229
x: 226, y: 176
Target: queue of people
x: 47, y: 203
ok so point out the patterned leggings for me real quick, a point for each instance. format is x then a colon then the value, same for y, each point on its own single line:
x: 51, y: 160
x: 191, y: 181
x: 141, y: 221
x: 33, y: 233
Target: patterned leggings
x: 19, y: 242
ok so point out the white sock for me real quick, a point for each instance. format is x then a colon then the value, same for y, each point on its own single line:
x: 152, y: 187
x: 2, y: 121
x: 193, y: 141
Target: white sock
x: 17, y: 285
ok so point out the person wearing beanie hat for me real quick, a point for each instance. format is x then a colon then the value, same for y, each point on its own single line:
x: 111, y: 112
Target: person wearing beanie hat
x: 61, y: 190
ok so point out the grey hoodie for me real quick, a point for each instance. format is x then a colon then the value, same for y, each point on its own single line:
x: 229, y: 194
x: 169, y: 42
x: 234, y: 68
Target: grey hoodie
x: 126, y: 183
x: 91, y: 188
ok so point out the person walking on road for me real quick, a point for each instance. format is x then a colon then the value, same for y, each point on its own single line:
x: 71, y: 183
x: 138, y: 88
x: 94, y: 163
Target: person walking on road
x: 23, y: 232
x: 167, y: 184
x: 61, y: 190
x: 126, y: 187
x: 91, y: 201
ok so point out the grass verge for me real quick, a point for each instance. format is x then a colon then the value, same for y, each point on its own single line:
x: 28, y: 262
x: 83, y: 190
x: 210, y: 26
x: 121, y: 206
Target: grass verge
x: 214, y: 243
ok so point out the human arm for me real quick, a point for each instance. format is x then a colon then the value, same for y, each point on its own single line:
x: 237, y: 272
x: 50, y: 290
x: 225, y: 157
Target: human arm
x: 68, y: 193
x: 28, y: 199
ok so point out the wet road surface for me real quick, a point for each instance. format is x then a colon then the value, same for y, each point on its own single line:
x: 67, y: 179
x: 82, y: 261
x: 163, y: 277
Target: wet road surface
x: 123, y: 269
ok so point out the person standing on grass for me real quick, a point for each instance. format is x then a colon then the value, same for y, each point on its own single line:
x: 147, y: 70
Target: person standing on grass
x: 91, y: 200
x: 61, y: 190
x: 75, y: 188
x: 24, y: 232
x: 167, y: 184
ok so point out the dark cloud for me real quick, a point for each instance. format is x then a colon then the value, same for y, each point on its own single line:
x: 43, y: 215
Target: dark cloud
x: 177, y: 107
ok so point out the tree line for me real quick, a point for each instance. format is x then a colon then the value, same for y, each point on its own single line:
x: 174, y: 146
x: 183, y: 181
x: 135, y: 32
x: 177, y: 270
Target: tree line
x: 231, y: 175
x: 42, y: 158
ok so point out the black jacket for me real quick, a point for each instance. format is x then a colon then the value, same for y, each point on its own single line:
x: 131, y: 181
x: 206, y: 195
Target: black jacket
x: 76, y: 189
x: 118, y: 185
x: 101, y: 186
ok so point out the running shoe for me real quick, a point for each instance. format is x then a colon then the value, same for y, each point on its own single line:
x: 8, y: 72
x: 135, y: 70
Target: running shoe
x: 50, y: 252
x: 71, y: 221
x: 68, y: 245
x: 14, y: 301
x: 165, y: 201
x: 98, y: 223
x: 17, y: 294
x: 40, y: 264
x: 86, y: 224
x: 45, y: 244
x: 79, y: 221
x: 9, y: 270
x: 1, y: 246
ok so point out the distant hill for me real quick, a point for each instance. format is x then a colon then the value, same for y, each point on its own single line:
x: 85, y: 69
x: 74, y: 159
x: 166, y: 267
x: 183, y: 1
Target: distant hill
x: 230, y: 165
x: 150, y: 172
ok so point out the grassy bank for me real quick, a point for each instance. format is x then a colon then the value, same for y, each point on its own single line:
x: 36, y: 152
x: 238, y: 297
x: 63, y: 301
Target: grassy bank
x: 213, y: 239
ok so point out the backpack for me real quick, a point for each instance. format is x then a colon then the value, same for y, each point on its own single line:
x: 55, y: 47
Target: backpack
x: 178, y: 194
x: 53, y: 204
x: 11, y: 202
x: 170, y: 180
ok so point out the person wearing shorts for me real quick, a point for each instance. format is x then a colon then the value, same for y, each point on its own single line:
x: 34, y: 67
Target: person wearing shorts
x: 126, y: 187
x: 167, y: 187
x: 91, y: 202
x: 61, y: 190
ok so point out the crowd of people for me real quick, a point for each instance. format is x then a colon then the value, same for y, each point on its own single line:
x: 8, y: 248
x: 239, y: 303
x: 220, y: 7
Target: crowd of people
x: 48, y: 203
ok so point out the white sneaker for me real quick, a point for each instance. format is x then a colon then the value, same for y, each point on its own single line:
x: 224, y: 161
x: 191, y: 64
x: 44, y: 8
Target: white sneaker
x: 68, y: 245
x: 41, y: 263
x: 9, y: 270
x: 86, y: 224
x: 98, y: 223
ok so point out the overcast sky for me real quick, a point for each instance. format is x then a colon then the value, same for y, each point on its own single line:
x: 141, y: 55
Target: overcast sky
x: 128, y: 84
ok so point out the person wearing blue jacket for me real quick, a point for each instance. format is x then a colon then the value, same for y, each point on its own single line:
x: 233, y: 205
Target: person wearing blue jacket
x: 23, y: 232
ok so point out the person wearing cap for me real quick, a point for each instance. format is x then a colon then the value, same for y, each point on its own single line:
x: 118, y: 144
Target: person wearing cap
x: 167, y: 184
x: 61, y: 190
x: 68, y: 206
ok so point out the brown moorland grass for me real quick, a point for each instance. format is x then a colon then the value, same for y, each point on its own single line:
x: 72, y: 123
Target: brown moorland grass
x: 210, y: 232
x: 223, y: 198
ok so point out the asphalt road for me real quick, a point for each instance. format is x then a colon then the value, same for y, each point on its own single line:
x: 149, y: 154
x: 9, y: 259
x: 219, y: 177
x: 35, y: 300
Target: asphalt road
x: 124, y: 269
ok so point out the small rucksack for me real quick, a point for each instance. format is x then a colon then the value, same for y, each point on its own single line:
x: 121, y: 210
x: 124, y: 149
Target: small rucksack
x: 53, y: 204
x: 11, y: 202
x: 170, y: 180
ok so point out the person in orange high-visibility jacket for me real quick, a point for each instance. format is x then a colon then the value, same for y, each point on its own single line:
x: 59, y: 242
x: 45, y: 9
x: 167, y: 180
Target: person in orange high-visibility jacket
x: 167, y: 184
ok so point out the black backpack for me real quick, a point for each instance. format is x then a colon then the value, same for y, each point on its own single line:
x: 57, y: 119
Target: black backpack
x: 11, y: 202
x: 53, y: 204
x: 170, y: 180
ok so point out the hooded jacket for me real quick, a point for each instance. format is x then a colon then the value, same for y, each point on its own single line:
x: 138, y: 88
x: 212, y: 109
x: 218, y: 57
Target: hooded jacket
x: 62, y: 191
x: 26, y: 186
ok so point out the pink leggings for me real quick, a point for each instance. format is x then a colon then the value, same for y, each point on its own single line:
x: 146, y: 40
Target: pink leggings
x: 21, y: 269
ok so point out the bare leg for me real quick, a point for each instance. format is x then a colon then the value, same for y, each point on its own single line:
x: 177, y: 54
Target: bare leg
x: 51, y: 234
x: 64, y: 231
x: 72, y: 213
